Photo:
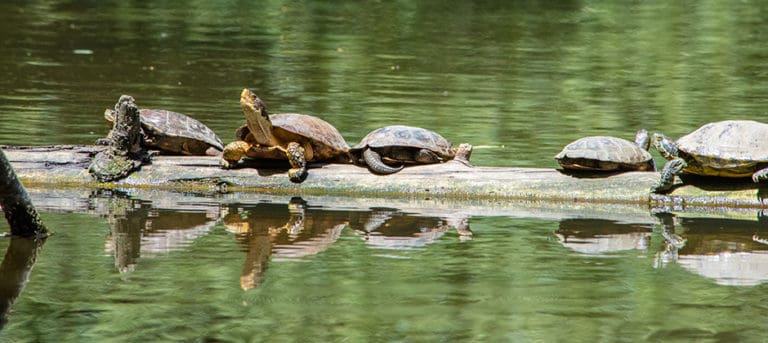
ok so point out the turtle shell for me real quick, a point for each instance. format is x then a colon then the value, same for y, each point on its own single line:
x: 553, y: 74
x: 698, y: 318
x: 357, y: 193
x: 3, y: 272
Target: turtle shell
x: 604, y: 153
x: 726, y: 148
x: 168, y: 126
x: 175, y: 132
x: 405, y: 137
x: 326, y: 140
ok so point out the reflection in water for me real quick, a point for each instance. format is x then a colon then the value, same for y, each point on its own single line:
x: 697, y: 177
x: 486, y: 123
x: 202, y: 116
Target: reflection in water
x: 597, y: 236
x: 138, y: 230
x: 393, y: 229
x: 729, y: 251
x: 272, y: 230
x: 14, y: 271
x: 276, y: 232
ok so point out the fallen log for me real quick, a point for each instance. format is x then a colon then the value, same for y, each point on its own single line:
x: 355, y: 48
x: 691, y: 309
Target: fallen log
x: 65, y: 166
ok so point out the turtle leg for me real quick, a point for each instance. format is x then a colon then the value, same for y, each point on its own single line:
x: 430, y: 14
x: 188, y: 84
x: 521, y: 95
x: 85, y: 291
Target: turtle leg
x: 760, y: 175
x: 232, y: 153
x: 672, y: 168
x: 298, y: 172
x: 375, y: 165
x: 426, y: 156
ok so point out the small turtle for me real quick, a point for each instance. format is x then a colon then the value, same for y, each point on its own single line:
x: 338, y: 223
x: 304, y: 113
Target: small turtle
x: 731, y: 148
x: 401, y: 145
x: 299, y: 138
x: 175, y: 133
x: 604, y: 153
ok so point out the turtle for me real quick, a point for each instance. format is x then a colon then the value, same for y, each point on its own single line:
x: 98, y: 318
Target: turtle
x: 175, y: 133
x: 730, y: 148
x: 606, y: 153
x: 125, y: 153
x: 298, y: 138
x: 400, y: 145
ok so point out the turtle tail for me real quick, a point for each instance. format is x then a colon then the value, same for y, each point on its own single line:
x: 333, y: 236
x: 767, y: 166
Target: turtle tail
x: 375, y: 165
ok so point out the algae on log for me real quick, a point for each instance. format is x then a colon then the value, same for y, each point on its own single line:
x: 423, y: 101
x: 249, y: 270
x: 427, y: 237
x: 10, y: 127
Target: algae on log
x: 17, y: 206
x: 63, y: 166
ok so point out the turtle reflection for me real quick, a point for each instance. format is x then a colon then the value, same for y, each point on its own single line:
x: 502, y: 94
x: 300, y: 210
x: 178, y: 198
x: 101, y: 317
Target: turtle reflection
x: 139, y: 230
x: 280, y: 232
x: 388, y: 228
x: 729, y: 251
x: 599, y: 236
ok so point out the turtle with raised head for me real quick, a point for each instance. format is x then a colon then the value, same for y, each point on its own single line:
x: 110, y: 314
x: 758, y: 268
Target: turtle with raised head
x: 605, y: 153
x: 388, y: 149
x: 175, y: 133
x: 298, y: 138
x: 731, y: 148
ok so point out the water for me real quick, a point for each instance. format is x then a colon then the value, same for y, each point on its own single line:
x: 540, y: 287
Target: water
x: 260, y: 268
x: 518, y: 80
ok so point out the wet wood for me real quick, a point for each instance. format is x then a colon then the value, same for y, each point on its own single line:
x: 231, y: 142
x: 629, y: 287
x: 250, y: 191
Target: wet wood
x: 19, y: 211
x: 65, y: 166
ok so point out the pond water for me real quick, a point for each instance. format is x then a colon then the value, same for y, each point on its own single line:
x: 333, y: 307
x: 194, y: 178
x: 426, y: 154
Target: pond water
x: 516, y: 79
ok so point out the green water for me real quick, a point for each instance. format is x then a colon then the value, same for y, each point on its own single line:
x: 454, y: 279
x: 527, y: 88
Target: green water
x: 270, y: 271
x: 516, y: 79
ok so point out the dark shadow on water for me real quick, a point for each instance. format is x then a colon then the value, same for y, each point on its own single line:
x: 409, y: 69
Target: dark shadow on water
x: 15, y: 270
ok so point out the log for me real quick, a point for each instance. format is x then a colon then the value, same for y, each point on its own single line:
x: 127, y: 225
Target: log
x: 16, y: 204
x: 65, y: 166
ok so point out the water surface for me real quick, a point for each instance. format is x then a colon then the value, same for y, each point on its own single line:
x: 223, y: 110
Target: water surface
x: 517, y: 79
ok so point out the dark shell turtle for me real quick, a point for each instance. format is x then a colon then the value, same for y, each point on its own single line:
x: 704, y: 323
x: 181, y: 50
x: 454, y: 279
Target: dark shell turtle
x: 175, y: 133
x: 400, y: 145
x: 298, y: 138
x: 731, y: 148
x: 605, y: 153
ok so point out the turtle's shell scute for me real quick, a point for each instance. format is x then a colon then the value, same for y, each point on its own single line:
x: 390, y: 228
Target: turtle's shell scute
x: 728, y: 142
x: 171, y: 125
x: 603, y: 153
x: 405, y: 136
x: 326, y: 138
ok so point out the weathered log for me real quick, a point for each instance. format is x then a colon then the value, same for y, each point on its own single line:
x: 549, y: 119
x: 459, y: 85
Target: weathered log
x: 16, y: 204
x: 62, y: 166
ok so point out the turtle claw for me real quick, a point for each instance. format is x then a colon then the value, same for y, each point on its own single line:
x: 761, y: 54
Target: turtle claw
x: 760, y: 175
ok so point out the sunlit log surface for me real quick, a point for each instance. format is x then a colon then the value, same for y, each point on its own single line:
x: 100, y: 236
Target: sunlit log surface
x: 65, y: 166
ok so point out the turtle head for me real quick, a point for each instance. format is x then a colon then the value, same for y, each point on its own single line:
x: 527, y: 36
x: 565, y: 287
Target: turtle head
x: 665, y: 146
x: 642, y: 139
x: 256, y: 117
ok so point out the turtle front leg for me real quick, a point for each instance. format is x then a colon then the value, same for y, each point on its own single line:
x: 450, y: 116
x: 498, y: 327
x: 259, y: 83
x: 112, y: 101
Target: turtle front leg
x: 760, y: 175
x: 298, y: 172
x: 426, y: 156
x: 232, y: 153
x: 672, y: 168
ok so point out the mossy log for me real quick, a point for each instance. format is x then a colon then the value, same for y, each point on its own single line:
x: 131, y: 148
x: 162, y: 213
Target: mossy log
x: 65, y: 166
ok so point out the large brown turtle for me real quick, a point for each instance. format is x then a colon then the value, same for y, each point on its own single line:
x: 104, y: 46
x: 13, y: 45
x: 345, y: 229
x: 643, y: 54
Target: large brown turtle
x: 731, y: 148
x: 175, y: 133
x: 299, y: 138
x: 399, y: 145
x: 605, y: 153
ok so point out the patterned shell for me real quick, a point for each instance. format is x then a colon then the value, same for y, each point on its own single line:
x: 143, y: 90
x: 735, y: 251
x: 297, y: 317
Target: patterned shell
x: 405, y: 136
x: 605, y: 148
x: 172, y: 124
x: 311, y: 127
x: 727, y: 143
